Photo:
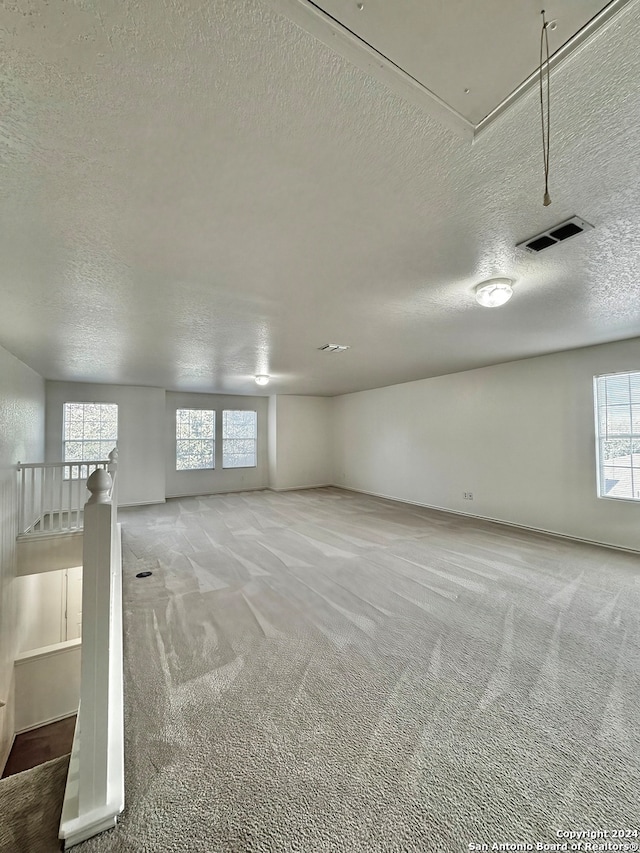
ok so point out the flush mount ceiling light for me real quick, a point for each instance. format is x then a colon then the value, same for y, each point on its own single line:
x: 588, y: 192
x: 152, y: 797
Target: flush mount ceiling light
x: 262, y: 379
x: 494, y: 292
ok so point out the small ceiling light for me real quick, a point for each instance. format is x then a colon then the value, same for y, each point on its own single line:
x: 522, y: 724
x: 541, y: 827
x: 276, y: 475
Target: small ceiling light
x: 494, y: 292
x: 262, y: 379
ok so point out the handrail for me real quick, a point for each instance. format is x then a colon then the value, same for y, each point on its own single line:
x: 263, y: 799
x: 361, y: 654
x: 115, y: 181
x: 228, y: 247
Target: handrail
x: 97, y: 462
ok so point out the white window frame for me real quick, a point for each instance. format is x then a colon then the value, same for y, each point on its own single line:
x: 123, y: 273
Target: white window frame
x: 603, y: 433
x: 254, y: 439
x: 192, y: 439
x: 110, y: 442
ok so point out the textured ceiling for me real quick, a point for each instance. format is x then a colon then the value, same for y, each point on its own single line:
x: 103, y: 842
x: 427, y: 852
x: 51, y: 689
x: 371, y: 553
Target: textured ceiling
x: 468, y: 57
x: 196, y: 192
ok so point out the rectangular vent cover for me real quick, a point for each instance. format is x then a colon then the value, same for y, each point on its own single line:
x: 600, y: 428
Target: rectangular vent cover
x: 333, y: 348
x: 557, y: 234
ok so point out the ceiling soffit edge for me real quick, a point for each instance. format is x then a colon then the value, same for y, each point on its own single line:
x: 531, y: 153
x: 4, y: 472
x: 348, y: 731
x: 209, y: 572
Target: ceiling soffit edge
x: 328, y: 30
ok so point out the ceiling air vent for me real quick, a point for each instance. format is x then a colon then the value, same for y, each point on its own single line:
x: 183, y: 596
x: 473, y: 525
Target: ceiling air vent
x: 333, y: 348
x: 557, y: 234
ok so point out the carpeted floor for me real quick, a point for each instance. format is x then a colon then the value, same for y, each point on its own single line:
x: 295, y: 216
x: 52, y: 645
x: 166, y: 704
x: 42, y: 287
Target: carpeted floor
x: 30, y: 806
x: 324, y: 671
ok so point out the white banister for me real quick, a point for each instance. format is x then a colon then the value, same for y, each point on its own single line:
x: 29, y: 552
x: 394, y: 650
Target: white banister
x: 52, y: 494
x: 95, y: 786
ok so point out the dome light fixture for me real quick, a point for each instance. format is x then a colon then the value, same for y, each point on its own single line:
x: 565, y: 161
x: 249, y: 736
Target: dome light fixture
x: 262, y: 379
x: 495, y: 292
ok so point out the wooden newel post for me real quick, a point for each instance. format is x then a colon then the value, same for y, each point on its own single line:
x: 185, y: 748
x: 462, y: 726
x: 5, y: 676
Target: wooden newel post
x: 95, y: 788
x: 99, y: 484
x: 96, y: 608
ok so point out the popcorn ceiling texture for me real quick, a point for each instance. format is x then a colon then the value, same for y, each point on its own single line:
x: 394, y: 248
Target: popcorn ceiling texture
x: 195, y: 192
x: 320, y: 671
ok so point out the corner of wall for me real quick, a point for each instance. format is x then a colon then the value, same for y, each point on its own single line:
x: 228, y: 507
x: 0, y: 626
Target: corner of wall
x: 272, y: 440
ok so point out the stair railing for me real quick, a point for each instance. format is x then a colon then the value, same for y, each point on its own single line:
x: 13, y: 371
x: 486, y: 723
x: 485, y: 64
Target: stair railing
x: 52, y: 494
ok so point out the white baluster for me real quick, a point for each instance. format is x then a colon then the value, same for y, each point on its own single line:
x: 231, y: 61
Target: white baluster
x: 44, y: 499
x: 113, y: 470
x: 78, y: 497
x: 61, y: 524
x: 22, y: 500
x: 33, y: 499
x: 69, y: 482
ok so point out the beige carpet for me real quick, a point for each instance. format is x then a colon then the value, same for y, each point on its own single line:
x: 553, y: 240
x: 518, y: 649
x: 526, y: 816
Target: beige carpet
x: 30, y: 806
x: 322, y: 671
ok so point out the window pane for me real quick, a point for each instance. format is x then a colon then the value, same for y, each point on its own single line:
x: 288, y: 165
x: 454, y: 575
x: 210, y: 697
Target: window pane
x: 617, y: 482
x: 238, y: 424
x: 91, y: 450
x: 617, y: 389
x: 73, y: 451
x: 618, y: 420
x: 90, y: 432
x: 74, y: 411
x: 246, y: 459
x: 618, y: 435
x: 182, y: 423
x: 239, y: 434
x: 616, y: 451
x: 235, y: 460
x: 195, y: 439
x: 183, y: 454
x: 108, y: 425
x: 91, y: 428
x: 239, y: 445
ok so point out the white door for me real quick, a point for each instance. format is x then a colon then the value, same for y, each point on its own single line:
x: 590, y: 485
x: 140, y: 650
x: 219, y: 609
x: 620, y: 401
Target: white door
x: 74, y: 603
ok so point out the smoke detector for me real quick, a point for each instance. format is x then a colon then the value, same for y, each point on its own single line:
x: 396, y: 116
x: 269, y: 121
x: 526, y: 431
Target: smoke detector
x: 557, y: 234
x: 334, y: 348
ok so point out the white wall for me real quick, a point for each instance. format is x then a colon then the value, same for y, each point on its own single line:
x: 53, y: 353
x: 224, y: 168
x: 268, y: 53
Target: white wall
x: 141, y: 451
x: 180, y: 483
x: 40, y: 601
x: 21, y: 439
x: 300, y: 442
x: 47, y: 684
x: 50, y: 607
x: 519, y: 436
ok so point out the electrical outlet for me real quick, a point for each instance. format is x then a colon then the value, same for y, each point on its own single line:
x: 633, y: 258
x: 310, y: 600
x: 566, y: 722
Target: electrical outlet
x: 470, y: 496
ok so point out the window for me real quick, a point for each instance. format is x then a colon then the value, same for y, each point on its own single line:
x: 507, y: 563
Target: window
x: 195, y: 439
x: 90, y: 432
x: 617, y: 398
x: 239, y: 438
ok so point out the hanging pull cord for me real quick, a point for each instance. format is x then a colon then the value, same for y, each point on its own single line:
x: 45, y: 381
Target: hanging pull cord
x: 546, y: 131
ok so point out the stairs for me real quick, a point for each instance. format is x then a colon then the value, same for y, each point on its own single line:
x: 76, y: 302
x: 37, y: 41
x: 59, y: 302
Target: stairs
x: 30, y: 808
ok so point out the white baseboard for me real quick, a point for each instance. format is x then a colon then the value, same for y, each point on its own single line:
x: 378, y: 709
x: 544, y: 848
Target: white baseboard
x: 490, y: 519
x: 142, y: 503
x: 46, y: 723
x: 224, y: 492
x: 300, y: 488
